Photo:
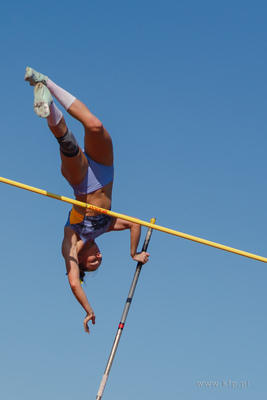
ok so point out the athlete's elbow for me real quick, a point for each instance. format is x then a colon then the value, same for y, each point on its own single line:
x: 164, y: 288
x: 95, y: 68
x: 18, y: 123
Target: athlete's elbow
x: 136, y: 228
x: 74, y: 285
x: 74, y: 281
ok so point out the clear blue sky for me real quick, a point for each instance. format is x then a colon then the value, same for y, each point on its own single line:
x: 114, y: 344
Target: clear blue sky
x: 181, y: 87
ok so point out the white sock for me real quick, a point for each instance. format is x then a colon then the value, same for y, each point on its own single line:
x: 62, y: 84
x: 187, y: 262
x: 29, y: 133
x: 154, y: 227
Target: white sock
x: 55, y: 115
x: 64, y: 98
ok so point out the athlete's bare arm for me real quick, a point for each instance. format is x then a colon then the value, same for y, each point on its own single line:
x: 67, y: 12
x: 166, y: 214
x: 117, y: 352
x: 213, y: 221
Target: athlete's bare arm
x: 69, y: 252
x: 119, y: 224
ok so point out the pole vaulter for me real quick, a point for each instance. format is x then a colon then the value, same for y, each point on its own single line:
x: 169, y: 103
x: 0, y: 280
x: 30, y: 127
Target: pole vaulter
x: 135, y: 220
x: 124, y: 316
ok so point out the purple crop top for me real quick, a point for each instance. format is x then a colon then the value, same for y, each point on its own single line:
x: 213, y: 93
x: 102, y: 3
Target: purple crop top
x: 98, y: 175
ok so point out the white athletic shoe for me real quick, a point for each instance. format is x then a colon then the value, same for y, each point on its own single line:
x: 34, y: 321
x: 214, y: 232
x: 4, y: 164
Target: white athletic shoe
x: 42, y: 100
x: 34, y: 77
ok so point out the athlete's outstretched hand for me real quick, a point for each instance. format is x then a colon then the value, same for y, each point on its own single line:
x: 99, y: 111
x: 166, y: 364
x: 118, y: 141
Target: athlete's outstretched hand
x: 141, y: 257
x: 89, y: 317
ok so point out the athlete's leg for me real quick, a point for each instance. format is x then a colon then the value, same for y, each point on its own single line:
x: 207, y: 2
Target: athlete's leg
x: 74, y: 163
x: 97, y: 141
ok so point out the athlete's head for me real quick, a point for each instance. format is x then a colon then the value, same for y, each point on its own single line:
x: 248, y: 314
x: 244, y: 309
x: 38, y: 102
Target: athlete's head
x: 89, y: 257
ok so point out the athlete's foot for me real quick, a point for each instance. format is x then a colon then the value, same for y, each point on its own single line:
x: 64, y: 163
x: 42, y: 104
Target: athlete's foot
x: 34, y: 77
x: 42, y: 100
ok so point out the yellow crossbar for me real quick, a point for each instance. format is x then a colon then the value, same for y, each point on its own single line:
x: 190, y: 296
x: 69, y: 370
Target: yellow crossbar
x: 135, y: 220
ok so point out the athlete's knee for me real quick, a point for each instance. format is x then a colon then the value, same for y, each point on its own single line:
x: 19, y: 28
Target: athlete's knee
x: 94, y: 125
x: 68, y: 144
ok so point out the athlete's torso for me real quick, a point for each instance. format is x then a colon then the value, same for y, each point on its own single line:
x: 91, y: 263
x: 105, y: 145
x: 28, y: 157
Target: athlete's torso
x: 99, y: 198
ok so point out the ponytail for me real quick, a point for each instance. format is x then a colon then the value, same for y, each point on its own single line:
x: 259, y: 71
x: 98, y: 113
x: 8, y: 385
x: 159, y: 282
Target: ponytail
x: 82, y: 275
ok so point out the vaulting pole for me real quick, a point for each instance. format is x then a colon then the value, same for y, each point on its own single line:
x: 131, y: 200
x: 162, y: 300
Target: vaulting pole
x: 136, y: 220
x: 123, y: 318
